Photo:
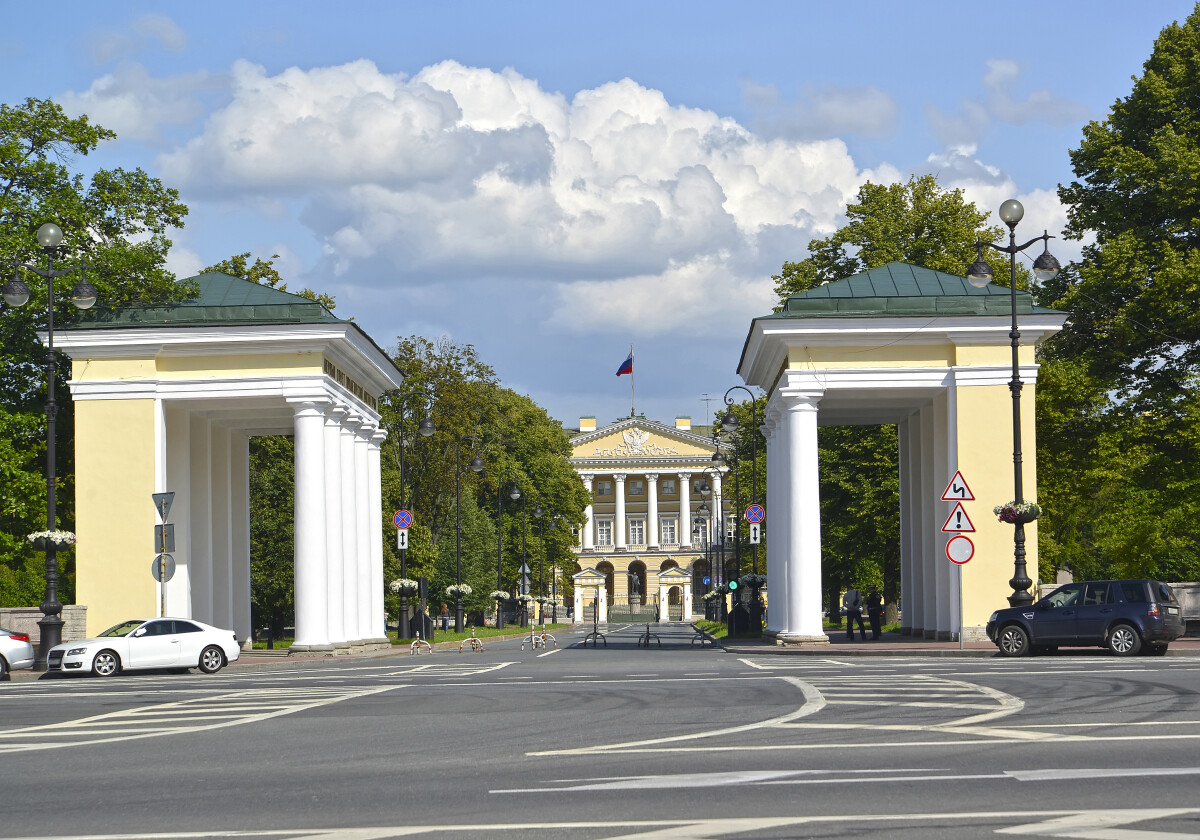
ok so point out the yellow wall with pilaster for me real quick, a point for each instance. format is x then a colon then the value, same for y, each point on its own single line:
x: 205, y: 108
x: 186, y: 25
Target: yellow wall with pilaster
x: 986, y: 463
x: 114, y: 467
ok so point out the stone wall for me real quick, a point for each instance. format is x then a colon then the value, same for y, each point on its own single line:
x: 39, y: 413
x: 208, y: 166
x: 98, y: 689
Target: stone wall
x: 25, y: 620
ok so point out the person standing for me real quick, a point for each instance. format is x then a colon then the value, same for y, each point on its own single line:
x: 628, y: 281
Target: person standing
x: 852, y: 606
x: 874, y: 611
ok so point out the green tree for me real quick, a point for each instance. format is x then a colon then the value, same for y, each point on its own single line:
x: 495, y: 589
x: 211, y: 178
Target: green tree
x: 1118, y: 415
x: 272, y: 532
x: 117, y: 223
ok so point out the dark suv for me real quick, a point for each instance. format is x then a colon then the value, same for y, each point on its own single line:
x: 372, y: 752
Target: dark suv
x: 1125, y: 616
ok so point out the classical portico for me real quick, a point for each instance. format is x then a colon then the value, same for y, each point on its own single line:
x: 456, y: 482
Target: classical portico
x: 167, y: 399
x: 930, y: 353
x: 648, y: 482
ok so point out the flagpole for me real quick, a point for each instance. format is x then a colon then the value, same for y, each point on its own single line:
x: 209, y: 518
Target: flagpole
x: 632, y: 380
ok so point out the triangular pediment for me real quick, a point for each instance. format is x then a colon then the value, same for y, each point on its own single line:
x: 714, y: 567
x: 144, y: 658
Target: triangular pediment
x: 674, y: 573
x: 637, y: 437
x: 589, y: 575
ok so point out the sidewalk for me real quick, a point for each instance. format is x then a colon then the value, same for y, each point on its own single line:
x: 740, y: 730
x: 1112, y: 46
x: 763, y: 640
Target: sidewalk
x: 895, y: 644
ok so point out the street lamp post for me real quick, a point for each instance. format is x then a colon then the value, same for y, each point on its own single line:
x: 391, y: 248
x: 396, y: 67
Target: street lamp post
x: 83, y: 296
x: 730, y: 422
x: 718, y: 461
x: 1045, y: 267
x: 514, y: 494
x: 476, y: 466
x: 541, y: 518
x: 705, y: 520
x: 425, y: 428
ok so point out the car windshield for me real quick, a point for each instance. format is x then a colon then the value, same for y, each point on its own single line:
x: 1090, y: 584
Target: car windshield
x: 123, y: 629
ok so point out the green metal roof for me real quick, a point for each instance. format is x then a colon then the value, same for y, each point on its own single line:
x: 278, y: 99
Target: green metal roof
x: 223, y: 301
x: 899, y: 289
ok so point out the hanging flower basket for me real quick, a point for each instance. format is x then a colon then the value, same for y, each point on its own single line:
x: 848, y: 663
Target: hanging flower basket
x: 456, y: 590
x: 753, y: 581
x: 498, y: 595
x: 1013, y: 512
x: 404, y: 586
x: 524, y: 599
x: 41, y: 540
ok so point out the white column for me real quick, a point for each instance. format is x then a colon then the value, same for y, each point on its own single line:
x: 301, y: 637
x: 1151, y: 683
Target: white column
x: 663, y: 596
x: 685, y: 512
x: 349, y: 533
x: 589, y: 528
x: 928, y: 603
x: 718, y: 536
x: 200, y: 547
x: 777, y: 567
x: 312, y: 616
x: 335, y: 594
x: 362, y: 516
x: 652, y: 527
x: 222, y: 515
x: 375, y: 498
x: 602, y: 602
x: 687, y: 600
x: 947, y: 604
x: 239, y: 507
x: 804, y: 515
x: 904, y: 438
x: 179, y: 480
x: 578, y: 612
x: 620, y: 527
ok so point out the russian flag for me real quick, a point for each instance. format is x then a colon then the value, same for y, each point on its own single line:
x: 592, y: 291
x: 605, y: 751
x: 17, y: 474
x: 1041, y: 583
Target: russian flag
x: 626, y: 366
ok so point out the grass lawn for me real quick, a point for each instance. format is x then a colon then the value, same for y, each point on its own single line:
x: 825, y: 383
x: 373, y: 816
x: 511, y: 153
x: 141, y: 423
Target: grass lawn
x: 481, y: 633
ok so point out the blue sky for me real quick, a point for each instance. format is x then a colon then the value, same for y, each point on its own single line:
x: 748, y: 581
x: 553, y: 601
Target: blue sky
x: 553, y: 182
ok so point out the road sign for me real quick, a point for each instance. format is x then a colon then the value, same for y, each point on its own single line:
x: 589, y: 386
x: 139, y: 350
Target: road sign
x: 960, y: 549
x: 957, y: 490
x: 958, y: 520
x: 755, y: 513
x: 402, y: 538
x: 163, y: 567
x: 402, y: 519
x: 755, y: 533
x: 164, y: 538
x: 162, y: 503
x: 707, y: 580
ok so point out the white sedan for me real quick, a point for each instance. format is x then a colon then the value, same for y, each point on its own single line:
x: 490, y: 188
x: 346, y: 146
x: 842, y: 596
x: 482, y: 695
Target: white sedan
x: 171, y: 643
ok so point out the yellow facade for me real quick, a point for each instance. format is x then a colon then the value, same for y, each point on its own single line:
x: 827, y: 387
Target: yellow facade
x: 115, y: 475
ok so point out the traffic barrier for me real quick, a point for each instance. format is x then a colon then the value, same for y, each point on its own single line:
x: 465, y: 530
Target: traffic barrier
x: 415, y: 647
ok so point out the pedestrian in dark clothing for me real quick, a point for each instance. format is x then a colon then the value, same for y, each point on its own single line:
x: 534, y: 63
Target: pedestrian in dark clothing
x: 852, y: 606
x: 874, y: 611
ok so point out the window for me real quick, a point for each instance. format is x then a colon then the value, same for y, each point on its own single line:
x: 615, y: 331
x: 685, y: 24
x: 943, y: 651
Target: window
x: 1068, y: 596
x: 668, y: 486
x: 603, y: 488
x: 669, y: 536
x: 731, y: 525
x: 637, y: 531
x: 1135, y: 592
x: 637, y: 487
x: 604, y: 532
x: 1098, y: 594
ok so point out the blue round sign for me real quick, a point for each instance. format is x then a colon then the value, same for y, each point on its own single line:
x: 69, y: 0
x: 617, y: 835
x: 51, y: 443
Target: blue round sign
x: 707, y: 580
x: 403, y: 519
x: 755, y: 514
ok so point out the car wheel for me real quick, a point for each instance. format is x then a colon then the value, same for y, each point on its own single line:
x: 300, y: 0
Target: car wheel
x: 1123, y: 640
x: 106, y: 663
x: 211, y: 660
x: 4, y: 669
x: 1013, y: 641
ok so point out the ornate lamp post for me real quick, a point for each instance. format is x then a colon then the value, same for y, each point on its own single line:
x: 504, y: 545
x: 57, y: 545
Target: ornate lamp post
x: 731, y: 423
x: 514, y: 493
x: 979, y: 275
x: 476, y: 466
x: 83, y: 296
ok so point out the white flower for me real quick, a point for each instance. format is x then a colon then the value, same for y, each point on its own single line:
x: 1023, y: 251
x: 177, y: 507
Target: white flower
x: 456, y: 589
x: 403, y: 585
x: 59, y: 537
x: 498, y: 595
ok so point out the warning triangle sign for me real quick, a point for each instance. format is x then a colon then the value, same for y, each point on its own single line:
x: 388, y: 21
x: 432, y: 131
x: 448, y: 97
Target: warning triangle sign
x: 957, y: 490
x: 958, y: 521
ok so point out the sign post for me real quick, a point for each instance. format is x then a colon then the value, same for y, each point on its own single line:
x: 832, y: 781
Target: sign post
x: 959, y: 548
x: 163, y: 567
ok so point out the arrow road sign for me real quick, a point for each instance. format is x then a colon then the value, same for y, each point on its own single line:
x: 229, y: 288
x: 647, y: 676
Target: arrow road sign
x: 957, y: 490
x: 402, y: 519
x: 755, y: 533
x: 402, y: 538
x: 960, y: 549
x: 755, y: 513
x: 958, y: 520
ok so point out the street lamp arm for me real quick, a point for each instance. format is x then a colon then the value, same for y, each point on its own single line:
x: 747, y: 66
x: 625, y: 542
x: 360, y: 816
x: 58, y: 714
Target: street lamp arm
x: 1008, y: 249
x: 48, y: 273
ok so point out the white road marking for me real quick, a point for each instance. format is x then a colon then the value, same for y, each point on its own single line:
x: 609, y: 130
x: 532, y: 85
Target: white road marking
x: 547, y: 653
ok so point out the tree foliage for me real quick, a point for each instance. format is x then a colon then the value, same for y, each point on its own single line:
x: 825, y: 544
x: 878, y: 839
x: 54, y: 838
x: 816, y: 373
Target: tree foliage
x: 116, y: 222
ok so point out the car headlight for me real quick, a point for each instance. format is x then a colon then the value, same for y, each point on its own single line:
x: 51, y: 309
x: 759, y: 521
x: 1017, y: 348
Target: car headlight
x: 994, y: 616
x: 76, y: 651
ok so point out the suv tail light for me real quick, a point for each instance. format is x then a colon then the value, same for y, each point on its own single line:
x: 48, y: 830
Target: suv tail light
x: 1153, y: 610
x: 19, y: 637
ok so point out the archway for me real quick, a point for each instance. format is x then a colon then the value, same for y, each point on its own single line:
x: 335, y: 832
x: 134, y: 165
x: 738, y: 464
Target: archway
x: 606, y: 569
x: 636, y: 583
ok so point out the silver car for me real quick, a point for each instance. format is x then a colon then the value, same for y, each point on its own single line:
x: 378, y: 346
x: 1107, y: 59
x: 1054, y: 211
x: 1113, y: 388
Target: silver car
x: 16, y: 651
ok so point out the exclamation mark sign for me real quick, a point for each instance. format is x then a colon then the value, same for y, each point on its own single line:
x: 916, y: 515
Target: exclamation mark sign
x: 958, y: 518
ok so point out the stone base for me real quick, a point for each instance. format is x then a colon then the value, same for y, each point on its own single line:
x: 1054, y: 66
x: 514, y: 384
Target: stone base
x: 796, y: 641
x: 325, y: 649
x: 378, y: 643
x: 341, y: 649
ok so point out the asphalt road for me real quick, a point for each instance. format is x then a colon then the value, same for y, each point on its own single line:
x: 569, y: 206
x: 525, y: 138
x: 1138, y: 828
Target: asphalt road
x: 612, y: 742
